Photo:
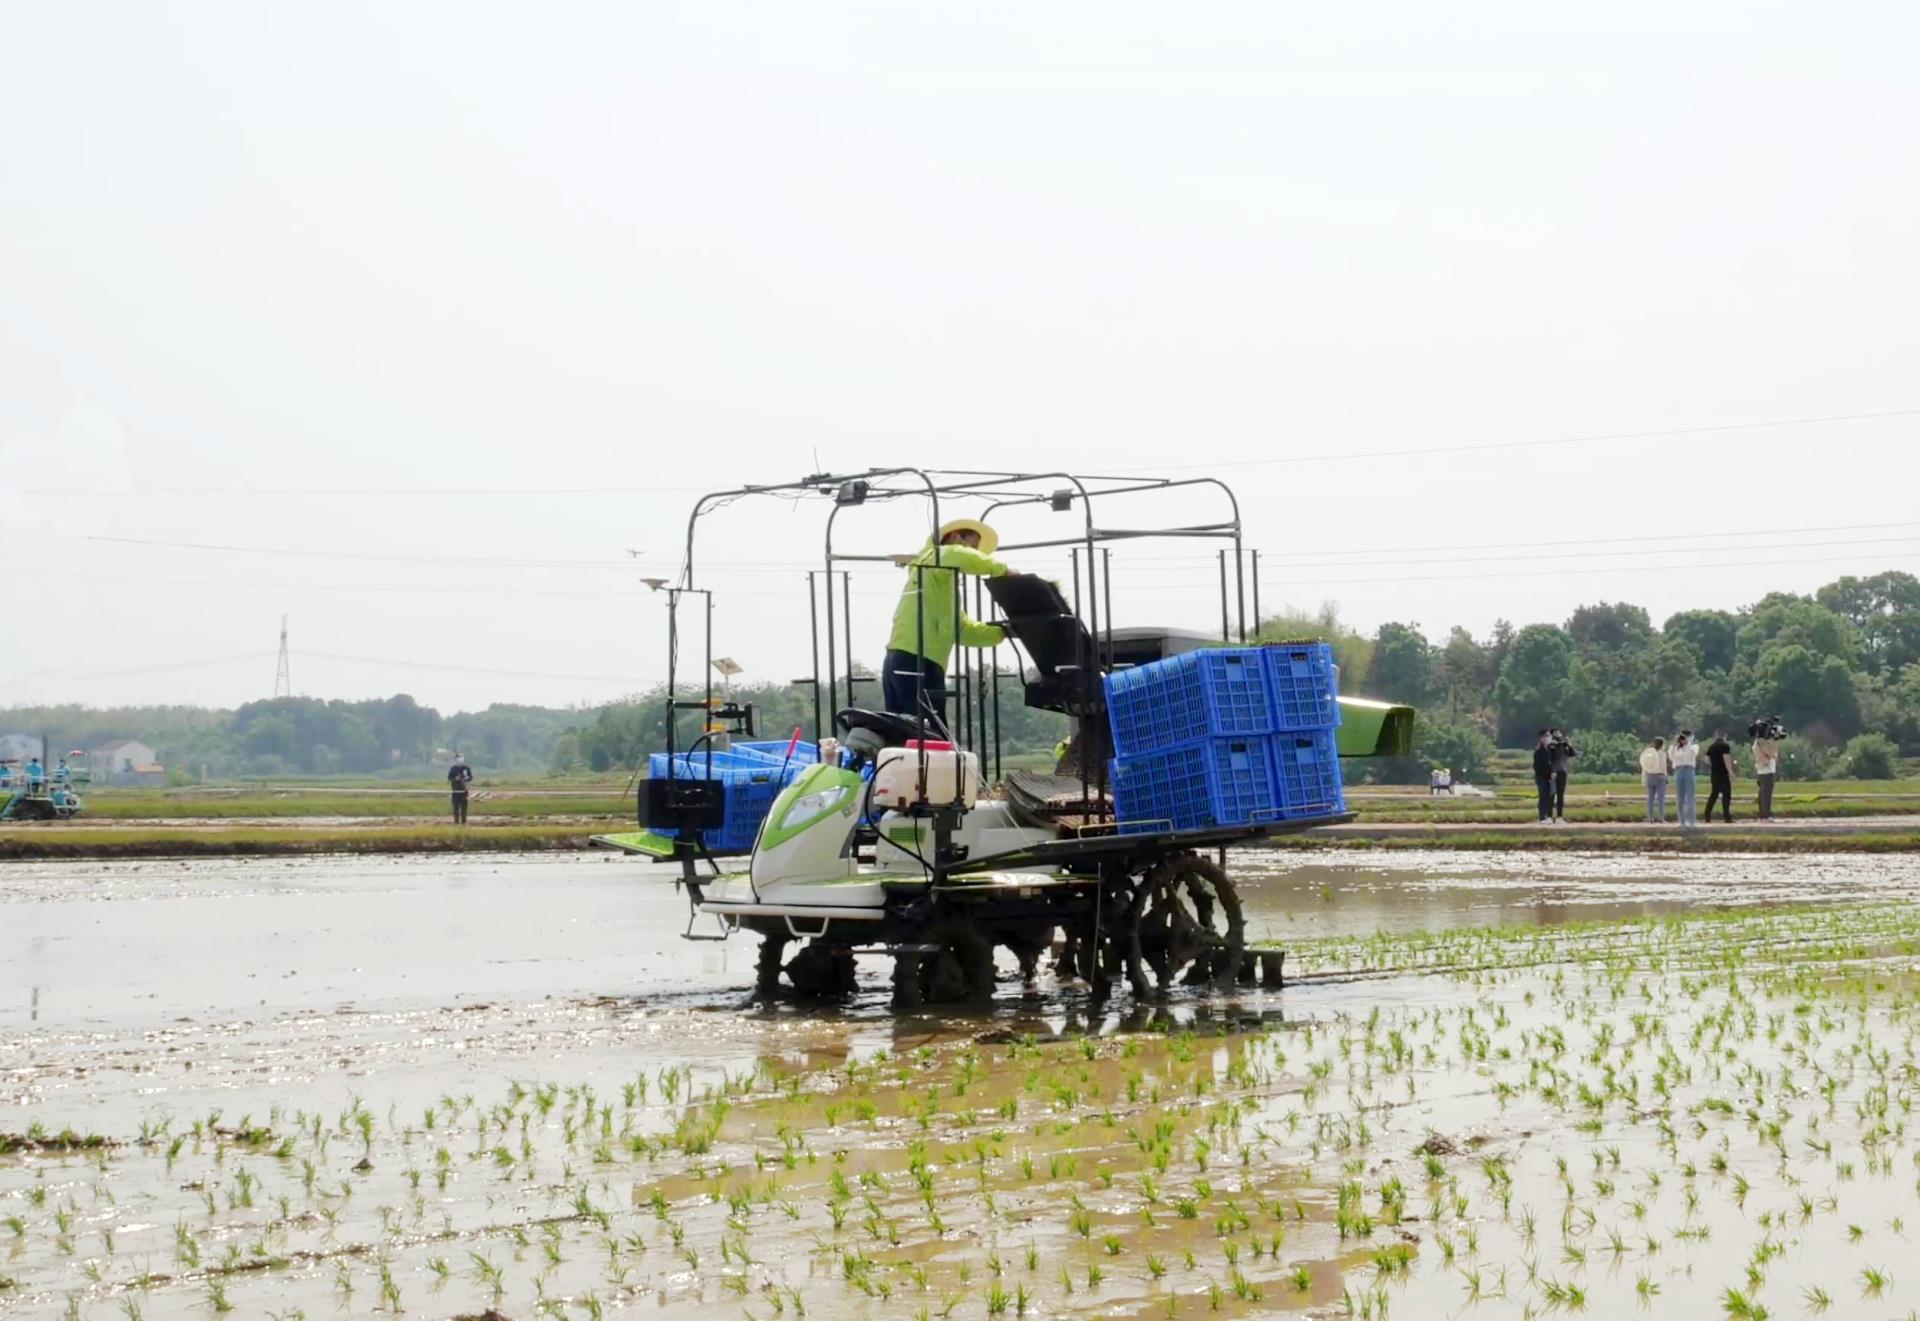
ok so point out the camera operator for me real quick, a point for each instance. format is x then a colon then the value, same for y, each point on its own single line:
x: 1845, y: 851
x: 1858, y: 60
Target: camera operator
x: 1720, y: 776
x: 1767, y: 734
x: 1543, y: 774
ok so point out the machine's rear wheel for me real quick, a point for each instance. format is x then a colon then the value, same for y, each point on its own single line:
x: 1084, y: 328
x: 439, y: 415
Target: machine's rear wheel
x: 959, y: 971
x: 1185, y: 927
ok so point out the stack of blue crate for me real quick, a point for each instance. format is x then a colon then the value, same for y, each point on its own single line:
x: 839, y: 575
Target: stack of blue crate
x: 752, y: 774
x: 1224, y: 737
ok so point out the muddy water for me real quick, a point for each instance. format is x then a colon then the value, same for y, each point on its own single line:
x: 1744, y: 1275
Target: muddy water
x: 385, y: 1009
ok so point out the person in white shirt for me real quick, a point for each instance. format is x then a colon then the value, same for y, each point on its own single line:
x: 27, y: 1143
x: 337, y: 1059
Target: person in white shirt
x: 1653, y: 773
x: 1766, y: 770
x: 1685, y: 760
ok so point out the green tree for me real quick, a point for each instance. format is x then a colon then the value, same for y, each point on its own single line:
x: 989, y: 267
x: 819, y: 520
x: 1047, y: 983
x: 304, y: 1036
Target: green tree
x: 1884, y: 610
x: 1606, y: 751
x: 1465, y: 672
x: 1870, y: 757
x: 1711, y: 634
x: 1782, y: 619
x: 1533, y: 686
x: 1807, y: 690
x: 1803, y: 759
x: 1402, y: 667
x: 1609, y: 627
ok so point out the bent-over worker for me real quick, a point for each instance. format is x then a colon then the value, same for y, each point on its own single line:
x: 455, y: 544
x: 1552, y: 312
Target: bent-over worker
x: 922, y: 640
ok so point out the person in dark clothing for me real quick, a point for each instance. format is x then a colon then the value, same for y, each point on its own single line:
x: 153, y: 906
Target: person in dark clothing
x: 1543, y: 774
x: 1560, y: 759
x: 1720, y: 772
x: 460, y: 780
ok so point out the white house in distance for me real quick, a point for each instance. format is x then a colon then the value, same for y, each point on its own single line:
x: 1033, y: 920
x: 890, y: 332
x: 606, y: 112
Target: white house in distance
x: 123, y: 761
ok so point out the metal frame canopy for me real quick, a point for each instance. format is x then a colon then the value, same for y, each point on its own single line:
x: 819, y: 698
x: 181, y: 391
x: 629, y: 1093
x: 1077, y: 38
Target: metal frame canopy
x: 983, y: 494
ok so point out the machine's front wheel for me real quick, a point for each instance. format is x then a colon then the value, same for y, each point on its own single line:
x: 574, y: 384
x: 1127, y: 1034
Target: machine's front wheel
x: 958, y: 971
x: 1185, y: 927
x: 821, y: 971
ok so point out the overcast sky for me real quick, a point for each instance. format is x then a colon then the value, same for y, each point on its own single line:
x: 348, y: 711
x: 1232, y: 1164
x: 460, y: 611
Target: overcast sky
x: 588, y: 259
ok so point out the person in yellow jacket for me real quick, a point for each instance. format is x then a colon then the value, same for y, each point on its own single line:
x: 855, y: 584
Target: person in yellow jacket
x: 932, y: 613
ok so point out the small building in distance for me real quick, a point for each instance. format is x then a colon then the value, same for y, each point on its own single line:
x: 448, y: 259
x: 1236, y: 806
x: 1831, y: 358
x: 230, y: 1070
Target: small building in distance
x: 125, y: 761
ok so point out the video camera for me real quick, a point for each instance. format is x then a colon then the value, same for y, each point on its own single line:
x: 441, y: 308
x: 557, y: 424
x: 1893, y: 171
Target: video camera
x: 1557, y: 741
x: 1767, y: 727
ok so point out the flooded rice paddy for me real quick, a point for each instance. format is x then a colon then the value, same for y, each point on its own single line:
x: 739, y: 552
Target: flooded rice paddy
x: 1501, y: 1086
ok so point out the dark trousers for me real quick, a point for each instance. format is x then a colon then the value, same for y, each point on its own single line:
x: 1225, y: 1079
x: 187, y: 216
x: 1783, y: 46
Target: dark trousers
x: 1766, y: 795
x: 460, y: 808
x: 1560, y: 794
x: 1544, y: 783
x: 1722, y: 793
x: 903, y: 675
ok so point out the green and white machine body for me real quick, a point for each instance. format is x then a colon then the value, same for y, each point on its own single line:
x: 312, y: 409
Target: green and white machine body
x: 805, y: 865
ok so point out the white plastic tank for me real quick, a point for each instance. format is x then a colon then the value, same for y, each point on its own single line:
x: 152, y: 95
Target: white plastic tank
x: 951, y: 777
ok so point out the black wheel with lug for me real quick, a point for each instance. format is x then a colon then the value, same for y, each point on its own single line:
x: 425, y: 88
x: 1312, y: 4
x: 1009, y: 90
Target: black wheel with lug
x: 766, y: 970
x: 819, y: 971
x: 1184, y: 927
x: 959, y: 971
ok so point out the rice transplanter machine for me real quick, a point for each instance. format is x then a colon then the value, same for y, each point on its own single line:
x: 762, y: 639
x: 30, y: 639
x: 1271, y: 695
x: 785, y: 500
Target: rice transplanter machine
x: 879, y: 838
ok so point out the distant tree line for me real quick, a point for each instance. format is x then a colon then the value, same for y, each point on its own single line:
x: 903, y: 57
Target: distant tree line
x: 1841, y: 667
x: 308, y: 736
x: 397, y: 736
x: 621, y: 735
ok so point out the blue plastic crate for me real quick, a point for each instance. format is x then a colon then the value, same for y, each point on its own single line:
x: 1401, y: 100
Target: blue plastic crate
x: 1306, y: 775
x: 751, y: 781
x: 1196, y: 785
x: 804, y: 753
x: 1303, y: 686
x: 1200, y: 694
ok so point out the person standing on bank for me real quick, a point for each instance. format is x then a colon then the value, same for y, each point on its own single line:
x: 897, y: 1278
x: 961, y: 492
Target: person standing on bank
x: 1685, y: 760
x: 1653, y: 773
x: 460, y: 781
x: 1720, y: 776
x: 932, y: 615
x: 1543, y: 774
x: 1766, y: 771
x: 1562, y: 762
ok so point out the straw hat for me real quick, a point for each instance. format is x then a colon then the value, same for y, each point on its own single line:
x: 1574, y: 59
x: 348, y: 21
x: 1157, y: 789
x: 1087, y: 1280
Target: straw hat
x: 989, y: 539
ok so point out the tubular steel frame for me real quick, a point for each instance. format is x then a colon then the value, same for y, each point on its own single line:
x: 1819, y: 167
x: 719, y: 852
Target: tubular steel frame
x: 971, y: 683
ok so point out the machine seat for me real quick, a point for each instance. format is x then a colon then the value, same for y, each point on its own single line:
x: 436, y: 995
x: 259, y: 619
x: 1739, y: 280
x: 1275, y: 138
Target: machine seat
x: 893, y: 731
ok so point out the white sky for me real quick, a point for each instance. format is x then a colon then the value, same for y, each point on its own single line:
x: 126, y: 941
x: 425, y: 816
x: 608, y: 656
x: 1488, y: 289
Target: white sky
x: 671, y: 247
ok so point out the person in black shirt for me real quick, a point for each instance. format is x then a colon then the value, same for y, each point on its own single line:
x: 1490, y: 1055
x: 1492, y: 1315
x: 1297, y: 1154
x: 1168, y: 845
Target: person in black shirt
x: 460, y: 779
x: 1543, y: 775
x: 1560, y: 758
x: 1720, y: 771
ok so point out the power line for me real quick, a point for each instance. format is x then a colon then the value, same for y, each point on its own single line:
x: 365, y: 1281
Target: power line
x: 1334, y: 456
x: 1529, y: 557
x: 329, y: 587
x: 1482, y: 446
x: 1688, y: 567
x: 464, y: 669
x: 1599, y: 541
x: 462, y: 560
x: 132, y: 670
x: 1527, y: 553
